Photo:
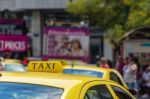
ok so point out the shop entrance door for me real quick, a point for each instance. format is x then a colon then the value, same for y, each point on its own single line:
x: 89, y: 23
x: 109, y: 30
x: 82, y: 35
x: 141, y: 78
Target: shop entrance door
x: 96, y: 49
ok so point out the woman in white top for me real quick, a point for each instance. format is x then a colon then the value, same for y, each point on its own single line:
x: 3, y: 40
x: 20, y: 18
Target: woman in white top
x: 130, y: 74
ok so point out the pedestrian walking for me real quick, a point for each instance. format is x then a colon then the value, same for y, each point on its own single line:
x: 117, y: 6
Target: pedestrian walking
x: 130, y: 74
x: 126, y: 63
x: 120, y: 64
x: 103, y: 63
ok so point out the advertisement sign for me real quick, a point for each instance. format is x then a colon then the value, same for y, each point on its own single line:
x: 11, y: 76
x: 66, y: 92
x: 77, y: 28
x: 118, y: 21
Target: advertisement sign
x: 12, y: 27
x: 13, y: 43
x: 67, y: 43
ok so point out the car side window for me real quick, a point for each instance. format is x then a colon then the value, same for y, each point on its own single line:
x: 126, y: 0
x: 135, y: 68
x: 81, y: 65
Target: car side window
x: 98, y: 92
x: 115, y: 78
x: 104, y: 92
x: 92, y: 94
x: 120, y: 93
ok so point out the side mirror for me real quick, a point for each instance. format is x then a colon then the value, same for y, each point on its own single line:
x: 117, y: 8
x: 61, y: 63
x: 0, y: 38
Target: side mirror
x: 133, y: 91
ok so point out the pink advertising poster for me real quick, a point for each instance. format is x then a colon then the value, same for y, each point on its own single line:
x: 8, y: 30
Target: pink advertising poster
x: 13, y: 43
x: 66, y: 43
x: 12, y: 27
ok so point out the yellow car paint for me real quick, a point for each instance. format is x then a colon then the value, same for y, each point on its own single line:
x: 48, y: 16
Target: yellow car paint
x: 106, y: 72
x: 75, y: 87
x: 11, y: 60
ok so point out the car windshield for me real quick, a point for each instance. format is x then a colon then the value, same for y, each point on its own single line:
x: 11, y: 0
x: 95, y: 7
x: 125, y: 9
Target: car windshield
x: 83, y: 72
x: 28, y: 91
x: 14, y: 67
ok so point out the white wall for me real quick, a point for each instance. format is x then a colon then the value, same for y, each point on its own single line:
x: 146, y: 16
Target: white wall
x: 14, y: 5
x: 108, y: 51
x: 136, y: 46
x: 7, y: 4
x: 40, y: 4
x: 36, y: 30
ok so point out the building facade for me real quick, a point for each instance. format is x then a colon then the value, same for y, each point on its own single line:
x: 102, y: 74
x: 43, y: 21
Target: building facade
x: 137, y: 43
x: 40, y: 13
x: 34, y: 12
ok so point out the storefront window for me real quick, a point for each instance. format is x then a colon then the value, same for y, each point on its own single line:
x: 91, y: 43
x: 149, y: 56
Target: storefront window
x: 27, y: 17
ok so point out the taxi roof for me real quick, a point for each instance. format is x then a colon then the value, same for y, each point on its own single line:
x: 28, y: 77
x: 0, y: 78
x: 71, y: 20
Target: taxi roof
x: 11, y: 60
x: 14, y: 63
x: 48, y: 79
x: 89, y: 67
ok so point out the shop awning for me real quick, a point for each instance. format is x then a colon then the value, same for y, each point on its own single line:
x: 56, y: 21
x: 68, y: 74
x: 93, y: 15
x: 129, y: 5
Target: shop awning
x: 139, y: 33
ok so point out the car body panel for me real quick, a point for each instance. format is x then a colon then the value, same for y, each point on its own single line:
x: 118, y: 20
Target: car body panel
x: 74, y: 86
x: 13, y: 65
x: 106, y: 72
x: 11, y: 60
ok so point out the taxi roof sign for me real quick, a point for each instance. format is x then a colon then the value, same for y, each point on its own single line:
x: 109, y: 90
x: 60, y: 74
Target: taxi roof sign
x: 45, y: 66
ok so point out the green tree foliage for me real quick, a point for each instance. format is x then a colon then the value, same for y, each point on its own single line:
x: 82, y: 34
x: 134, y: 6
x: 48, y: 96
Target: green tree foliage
x: 113, y: 16
x: 102, y: 13
x: 139, y: 14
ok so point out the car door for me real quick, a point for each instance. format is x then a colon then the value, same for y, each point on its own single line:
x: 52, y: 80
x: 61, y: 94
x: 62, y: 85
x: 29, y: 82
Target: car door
x: 96, y: 90
x: 117, y: 78
x: 121, y: 93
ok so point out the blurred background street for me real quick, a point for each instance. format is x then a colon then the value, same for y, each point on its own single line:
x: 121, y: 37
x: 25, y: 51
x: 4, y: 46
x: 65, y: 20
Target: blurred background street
x: 115, y: 33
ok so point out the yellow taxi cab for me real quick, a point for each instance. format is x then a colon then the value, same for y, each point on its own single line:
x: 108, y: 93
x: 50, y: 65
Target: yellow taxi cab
x: 12, y: 65
x: 12, y: 60
x: 45, y: 80
x: 105, y: 73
